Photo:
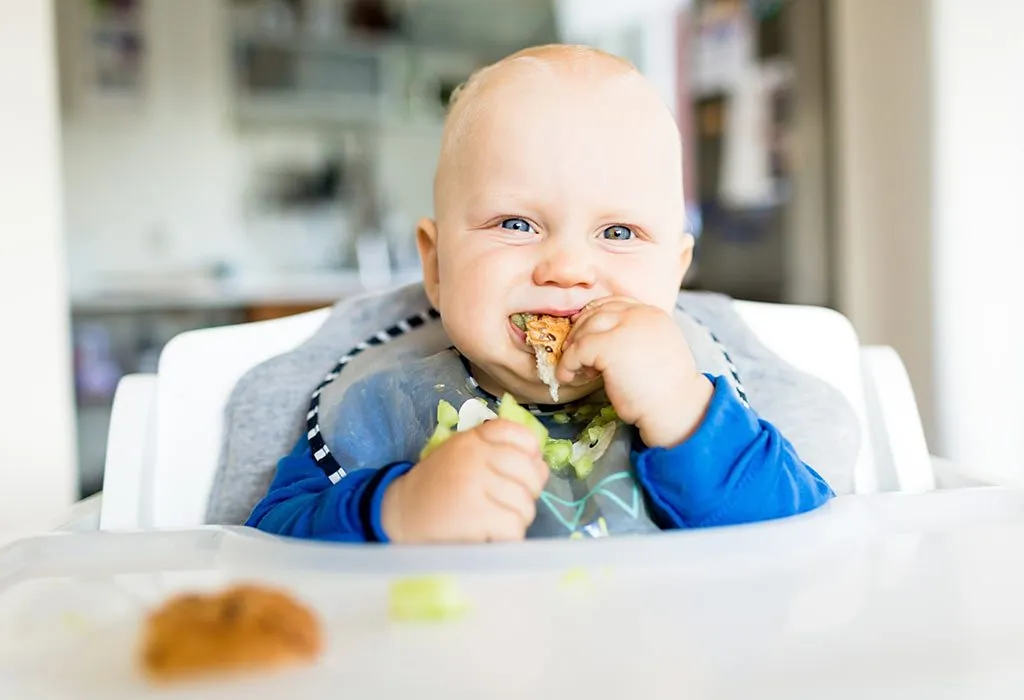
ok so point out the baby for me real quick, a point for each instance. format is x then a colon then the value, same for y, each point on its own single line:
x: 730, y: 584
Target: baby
x: 558, y: 195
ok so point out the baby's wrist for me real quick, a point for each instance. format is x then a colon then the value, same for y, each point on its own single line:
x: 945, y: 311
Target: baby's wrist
x: 391, y: 511
x: 672, y: 422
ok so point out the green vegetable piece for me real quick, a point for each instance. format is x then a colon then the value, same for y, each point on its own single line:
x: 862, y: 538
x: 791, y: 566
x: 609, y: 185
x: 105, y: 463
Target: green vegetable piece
x: 585, y: 411
x: 561, y: 418
x: 439, y: 436
x: 427, y: 599
x: 446, y: 414
x: 583, y: 466
x: 557, y: 453
x: 608, y: 414
x: 519, y: 321
x: 510, y: 410
x: 591, y: 445
x: 447, y: 419
x: 577, y: 579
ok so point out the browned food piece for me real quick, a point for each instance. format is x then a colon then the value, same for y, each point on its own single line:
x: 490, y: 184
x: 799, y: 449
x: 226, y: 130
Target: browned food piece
x: 246, y: 627
x: 546, y: 335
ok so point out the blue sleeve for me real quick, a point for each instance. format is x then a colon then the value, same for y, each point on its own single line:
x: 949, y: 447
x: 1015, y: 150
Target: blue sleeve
x: 302, y: 501
x: 736, y: 468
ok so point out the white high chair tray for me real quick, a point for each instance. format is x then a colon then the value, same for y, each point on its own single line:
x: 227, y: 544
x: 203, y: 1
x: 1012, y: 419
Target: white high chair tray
x: 888, y: 596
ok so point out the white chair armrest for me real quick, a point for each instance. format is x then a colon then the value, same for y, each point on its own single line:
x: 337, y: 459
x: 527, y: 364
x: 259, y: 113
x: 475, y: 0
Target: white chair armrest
x: 952, y: 476
x: 128, y: 452
x: 895, y: 424
x: 83, y: 516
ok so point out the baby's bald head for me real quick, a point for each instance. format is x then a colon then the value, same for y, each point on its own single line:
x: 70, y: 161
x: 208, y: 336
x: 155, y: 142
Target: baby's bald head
x: 559, y: 182
x: 558, y: 77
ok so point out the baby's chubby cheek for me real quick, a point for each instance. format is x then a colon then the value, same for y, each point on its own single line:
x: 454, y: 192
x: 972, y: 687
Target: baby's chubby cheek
x: 475, y: 314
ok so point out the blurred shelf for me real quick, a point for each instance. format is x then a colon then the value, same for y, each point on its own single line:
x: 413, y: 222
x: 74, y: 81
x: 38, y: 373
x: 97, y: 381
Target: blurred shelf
x: 155, y: 293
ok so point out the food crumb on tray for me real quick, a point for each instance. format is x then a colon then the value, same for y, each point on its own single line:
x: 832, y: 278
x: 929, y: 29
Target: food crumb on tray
x: 243, y: 628
x: 434, y: 598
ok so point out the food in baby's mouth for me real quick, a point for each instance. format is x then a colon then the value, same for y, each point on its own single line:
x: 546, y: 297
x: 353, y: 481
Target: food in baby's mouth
x: 545, y: 335
x: 246, y: 627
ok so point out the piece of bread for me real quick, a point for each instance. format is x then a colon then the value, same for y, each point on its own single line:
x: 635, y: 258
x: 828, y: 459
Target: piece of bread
x: 546, y: 335
x: 243, y: 628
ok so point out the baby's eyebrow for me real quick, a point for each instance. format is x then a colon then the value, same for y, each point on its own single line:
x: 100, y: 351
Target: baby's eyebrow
x: 506, y: 203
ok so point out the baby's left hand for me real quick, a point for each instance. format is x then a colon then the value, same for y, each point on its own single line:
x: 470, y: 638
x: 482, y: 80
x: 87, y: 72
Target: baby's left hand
x: 649, y: 372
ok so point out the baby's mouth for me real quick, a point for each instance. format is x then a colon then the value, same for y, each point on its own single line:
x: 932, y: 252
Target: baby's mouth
x: 519, y: 321
x: 544, y: 334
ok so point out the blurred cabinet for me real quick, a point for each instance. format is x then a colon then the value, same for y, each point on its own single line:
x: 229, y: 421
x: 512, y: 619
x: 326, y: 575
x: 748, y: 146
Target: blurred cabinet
x: 757, y: 115
x: 318, y: 63
x: 110, y: 343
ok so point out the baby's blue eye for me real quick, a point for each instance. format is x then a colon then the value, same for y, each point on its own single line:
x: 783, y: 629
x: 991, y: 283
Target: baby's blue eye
x: 520, y: 225
x: 618, y: 233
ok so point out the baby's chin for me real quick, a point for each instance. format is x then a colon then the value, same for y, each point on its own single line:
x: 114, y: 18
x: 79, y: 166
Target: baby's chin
x: 524, y: 384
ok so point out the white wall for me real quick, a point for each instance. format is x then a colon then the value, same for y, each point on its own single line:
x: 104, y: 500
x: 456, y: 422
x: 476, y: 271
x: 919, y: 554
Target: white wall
x: 159, y: 177
x: 164, y: 184
x: 929, y: 105
x: 979, y: 232
x: 37, y: 467
x: 881, y: 85
x: 608, y: 25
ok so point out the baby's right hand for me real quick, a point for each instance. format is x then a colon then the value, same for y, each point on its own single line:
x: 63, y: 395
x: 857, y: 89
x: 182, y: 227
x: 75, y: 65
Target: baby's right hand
x: 478, y: 486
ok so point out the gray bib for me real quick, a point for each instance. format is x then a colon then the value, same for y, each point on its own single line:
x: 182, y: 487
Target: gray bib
x: 407, y: 369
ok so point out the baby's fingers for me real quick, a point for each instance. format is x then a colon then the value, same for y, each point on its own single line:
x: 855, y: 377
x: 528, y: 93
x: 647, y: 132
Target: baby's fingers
x: 607, y: 304
x: 512, y: 496
x: 591, y: 324
x: 530, y: 473
x: 505, y: 433
x: 583, y: 360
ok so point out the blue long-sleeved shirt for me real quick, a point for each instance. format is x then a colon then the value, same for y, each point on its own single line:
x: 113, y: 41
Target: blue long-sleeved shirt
x: 735, y: 468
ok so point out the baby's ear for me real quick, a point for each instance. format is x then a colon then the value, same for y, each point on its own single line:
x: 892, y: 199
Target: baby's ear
x: 686, y: 255
x: 426, y: 241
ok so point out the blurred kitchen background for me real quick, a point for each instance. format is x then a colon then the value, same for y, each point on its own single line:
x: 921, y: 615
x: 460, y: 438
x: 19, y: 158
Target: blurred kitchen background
x: 222, y: 161
x: 234, y: 160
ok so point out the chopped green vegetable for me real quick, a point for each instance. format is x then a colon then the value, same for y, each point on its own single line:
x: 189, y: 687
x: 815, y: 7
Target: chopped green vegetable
x: 561, y: 418
x: 583, y: 466
x: 446, y: 414
x: 576, y: 535
x: 438, y: 438
x: 590, y: 447
x: 427, y: 599
x: 587, y: 410
x: 519, y: 321
x: 447, y: 418
x: 510, y: 410
x: 557, y: 453
x: 577, y: 579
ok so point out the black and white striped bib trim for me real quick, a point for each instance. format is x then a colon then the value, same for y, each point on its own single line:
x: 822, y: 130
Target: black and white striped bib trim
x: 321, y: 452
x: 730, y: 365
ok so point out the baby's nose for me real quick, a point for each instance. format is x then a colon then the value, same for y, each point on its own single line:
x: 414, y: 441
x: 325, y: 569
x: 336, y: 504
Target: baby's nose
x: 565, y: 266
